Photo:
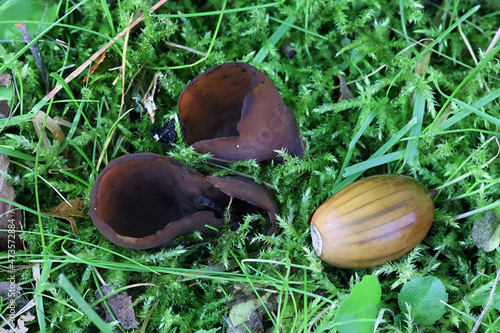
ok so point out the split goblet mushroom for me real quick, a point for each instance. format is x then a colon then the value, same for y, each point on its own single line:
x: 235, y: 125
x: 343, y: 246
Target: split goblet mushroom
x: 236, y: 113
x: 145, y: 200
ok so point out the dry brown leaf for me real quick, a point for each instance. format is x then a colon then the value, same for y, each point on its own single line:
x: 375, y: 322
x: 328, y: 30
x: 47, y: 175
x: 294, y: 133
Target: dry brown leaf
x: 10, y: 216
x: 150, y: 106
x: 22, y: 319
x: 247, y: 310
x: 95, y: 65
x: 148, y: 100
x: 5, y: 79
x: 12, y: 292
x: 21, y: 328
x: 76, y: 208
x: 51, y: 124
x: 345, y: 93
x: 121, y: 305
x: 4, y: 109
x: 486, y: 231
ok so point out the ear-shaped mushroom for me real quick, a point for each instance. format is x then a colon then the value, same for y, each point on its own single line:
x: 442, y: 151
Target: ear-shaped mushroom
x: 145, y: 200
x: 236, y: 113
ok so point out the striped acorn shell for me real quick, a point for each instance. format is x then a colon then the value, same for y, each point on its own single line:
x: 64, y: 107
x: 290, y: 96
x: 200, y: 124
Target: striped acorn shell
x: 372, y: 221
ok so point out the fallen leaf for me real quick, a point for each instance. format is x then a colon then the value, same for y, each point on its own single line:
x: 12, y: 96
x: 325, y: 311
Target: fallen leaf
x: 20, y: 322
x: 121, y: 305
x: 4, y: 109
x: 75, y: 208
x: 247, y: 310
x: 148, y: 101
x: 345, y: 93
x: 5, y: 79
x: 51, y: 125
x: 21, y: 328
x: 27, y: 317
x: 95, y: 65
x: 10, y: 216
x: 486, y: 231
x: 11, y: 292
x: 241, y: 312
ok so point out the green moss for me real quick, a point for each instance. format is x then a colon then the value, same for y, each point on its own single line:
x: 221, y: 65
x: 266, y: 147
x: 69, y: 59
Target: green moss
x: 373, y: 45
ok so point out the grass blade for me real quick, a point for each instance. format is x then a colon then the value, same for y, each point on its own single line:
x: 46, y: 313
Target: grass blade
x: 373, y: 162
x: 418, y: 113
x: 481, y: 114
x: 355, y: 139
x: 349, y: 178
x: 276, y: 36
x: 83, y: 305
x: 465, y: 112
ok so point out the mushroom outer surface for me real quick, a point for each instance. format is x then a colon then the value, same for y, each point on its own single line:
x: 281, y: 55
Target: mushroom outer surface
x: 372, y: 221
x: 236, y: 113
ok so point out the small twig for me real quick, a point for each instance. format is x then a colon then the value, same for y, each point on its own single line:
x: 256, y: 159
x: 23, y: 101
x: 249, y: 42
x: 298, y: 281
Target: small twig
x: 64, y: 45
x: 187, y: 48
x: 380, y: 318
x: 99, y: 277
x: 469, y: 47
x: 122, y: 102
x: 46, y: 182
x: 133, y: 77
x: 65, y: 68
x: 488, y: 304
x: 43, y: 18
x: 96, y: 55
x: 34, y: 51
x: 228, y: 207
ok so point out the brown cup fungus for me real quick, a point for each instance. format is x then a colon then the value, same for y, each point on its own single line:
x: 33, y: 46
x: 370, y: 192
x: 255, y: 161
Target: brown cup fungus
x: 236, y: 113
x: 141, y: 201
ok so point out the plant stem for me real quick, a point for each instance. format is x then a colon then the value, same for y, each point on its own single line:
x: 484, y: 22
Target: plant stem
x: 34, y: 50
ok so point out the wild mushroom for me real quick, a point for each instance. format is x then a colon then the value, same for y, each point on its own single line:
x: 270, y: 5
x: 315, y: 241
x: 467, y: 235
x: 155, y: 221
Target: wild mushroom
x: 236, y: 113
x: 145, y: 200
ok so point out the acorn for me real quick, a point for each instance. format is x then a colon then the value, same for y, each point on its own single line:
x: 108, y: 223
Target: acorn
x: 372, y: 221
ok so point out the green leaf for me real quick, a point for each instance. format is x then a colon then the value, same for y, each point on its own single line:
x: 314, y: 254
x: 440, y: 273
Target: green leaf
x: 7, y: 94
x: 424, y: 296
x: 35, y: 12
x: 481, y: 299
x: 359, y: 310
